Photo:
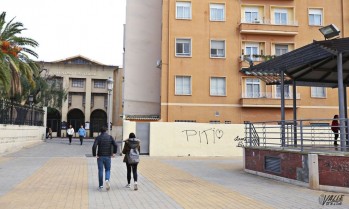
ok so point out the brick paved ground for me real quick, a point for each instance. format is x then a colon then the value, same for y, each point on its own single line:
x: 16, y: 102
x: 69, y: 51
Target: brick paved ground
x: 56, y: 175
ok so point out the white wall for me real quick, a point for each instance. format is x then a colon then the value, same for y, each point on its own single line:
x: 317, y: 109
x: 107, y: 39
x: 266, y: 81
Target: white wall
x: 142, y: 49
x: 15, y: 137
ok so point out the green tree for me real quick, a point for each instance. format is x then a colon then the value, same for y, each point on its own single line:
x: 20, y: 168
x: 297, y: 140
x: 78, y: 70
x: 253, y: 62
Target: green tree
x: 14, y: 57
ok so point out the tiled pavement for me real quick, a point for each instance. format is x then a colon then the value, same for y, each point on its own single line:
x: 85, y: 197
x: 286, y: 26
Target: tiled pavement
x: 54, y: 174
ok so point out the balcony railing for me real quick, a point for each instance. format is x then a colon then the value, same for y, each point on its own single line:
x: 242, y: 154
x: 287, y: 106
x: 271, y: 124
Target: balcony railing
x: 269, y: 21
x: 267, y: 95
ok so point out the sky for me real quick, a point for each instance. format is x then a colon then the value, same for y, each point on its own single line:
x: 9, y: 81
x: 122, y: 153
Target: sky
x: 66, y: 28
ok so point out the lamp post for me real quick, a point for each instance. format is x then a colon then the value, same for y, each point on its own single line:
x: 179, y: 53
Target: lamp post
x: 31, y: 100
x: 110, y: 89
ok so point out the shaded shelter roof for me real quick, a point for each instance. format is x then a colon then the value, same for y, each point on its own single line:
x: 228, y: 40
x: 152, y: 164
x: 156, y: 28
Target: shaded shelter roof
x: 312, y: 65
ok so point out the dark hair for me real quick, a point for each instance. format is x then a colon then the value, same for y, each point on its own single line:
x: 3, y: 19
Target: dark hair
x: 103, y: 129
x: 132, y: 135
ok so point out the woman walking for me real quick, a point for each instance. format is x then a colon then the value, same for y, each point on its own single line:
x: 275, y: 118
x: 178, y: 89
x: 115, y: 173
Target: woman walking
x: 82, y: 133
x: 131, y: 150
x: 70, y: 133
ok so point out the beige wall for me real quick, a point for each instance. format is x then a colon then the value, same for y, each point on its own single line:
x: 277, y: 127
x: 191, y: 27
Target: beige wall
x: 142, y: 50
x: 191, y: 139
x: 15, y: 137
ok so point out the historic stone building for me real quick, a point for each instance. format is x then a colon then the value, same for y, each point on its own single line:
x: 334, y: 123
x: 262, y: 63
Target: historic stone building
x: 85, y: 81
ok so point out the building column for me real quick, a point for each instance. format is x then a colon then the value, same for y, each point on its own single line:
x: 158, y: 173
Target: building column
x: 88, y: 95
x: 65, y: 106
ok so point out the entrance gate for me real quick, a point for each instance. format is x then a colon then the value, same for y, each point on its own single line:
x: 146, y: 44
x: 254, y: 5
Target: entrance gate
x: 142, y: 133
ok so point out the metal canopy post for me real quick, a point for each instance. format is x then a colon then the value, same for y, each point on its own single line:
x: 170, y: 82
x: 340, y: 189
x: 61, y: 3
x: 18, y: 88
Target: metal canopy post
x: 294, y: 113
x: 341, y: 99
x: 282, y: 89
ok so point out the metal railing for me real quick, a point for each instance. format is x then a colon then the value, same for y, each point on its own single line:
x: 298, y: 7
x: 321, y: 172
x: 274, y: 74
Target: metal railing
x: 269, y: 22
x: 17, y: 114
x: 310, y: 134
x: 267, y: 95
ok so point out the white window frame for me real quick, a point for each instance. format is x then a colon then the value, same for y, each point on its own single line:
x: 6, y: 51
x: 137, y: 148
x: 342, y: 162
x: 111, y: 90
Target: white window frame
x: 219, y: 53
x: 183, y: 41
x: 254, y: 12
x: 318, y: 92
x: 281, y: 12
x: 180, y: 90
x: 214, y: 86
x: 315, y: 13
x: 252, y: 45
x: 287, y: 90
x: 281, y: 48
x: 182, y: 5
x: 217, y: 12
x: 253, y: 82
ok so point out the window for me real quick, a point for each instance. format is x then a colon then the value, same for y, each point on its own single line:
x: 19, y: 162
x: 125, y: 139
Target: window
x: 183, y: 85
x: 100, y: 84
x: 252, y: 49
x: 183, y: 47
x: 280, y: 49
x: 251, y: 15
x: 319, y: 92
x: 78, y: 82
x: 217, y: 12
x: 286, y: 91
x: 315, y: 17
x: 183, y: 10
x: 217, y: 86
x: 217, y: 48
x: 280, y: 16
x: 252, y: 88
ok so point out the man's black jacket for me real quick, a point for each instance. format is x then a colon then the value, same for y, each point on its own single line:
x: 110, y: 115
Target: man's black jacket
x: 106, y: 145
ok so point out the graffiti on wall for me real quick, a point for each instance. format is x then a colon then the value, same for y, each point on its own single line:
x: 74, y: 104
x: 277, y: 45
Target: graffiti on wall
x: 207, y: 135
x: 241, y: 141
x: 211, y: 135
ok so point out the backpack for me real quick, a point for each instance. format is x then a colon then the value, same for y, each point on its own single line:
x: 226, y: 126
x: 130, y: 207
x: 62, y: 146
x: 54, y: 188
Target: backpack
x: 133, y: 154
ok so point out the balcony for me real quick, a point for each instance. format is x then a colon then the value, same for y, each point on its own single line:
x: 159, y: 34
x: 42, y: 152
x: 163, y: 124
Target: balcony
x: 266, y: 27
x: 267, y: 99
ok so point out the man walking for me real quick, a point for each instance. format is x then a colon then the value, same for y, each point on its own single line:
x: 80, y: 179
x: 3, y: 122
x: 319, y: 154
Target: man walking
x: 106, y: 148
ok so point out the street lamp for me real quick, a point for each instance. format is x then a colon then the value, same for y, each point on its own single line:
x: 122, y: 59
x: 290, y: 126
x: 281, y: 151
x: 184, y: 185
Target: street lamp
x: 110, y: 89
x: 31, y: 100
x: 329, y: 31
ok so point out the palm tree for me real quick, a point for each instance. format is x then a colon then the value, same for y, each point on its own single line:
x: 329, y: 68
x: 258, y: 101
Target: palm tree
x: 14, y: 57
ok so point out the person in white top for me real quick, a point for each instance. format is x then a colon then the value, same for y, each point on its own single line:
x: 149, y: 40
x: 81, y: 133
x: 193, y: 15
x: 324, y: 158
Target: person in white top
x: 70, y: 133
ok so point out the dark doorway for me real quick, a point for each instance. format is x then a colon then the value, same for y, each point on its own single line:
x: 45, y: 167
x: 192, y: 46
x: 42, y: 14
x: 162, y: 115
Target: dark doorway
x: 54, y: 120
x: 98, y: 119
x: 75, y: 118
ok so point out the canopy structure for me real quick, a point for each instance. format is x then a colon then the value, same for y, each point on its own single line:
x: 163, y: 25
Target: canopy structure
x: 312, y: 65
x: 321, y: 63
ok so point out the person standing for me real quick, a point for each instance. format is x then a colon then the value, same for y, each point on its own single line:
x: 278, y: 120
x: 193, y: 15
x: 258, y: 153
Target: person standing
x: 130, y: 144
x: 70, y: 133
x: 104, y: 148
x: 82, y: 133
x: 335, y: 128
x: 50, y: 132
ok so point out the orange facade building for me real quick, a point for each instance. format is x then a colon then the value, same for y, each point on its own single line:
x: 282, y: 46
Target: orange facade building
x: 204, y: 44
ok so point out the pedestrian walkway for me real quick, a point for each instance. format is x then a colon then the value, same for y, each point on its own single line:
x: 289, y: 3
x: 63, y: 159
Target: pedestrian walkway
x: 56, y: 175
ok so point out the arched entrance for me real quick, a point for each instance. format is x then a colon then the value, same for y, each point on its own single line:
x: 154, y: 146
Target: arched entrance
x: 54, y: 120
x: 98, y: 119
x: 75, y: 118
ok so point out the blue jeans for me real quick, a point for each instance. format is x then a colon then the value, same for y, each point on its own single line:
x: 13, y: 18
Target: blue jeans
x: 103, y: 161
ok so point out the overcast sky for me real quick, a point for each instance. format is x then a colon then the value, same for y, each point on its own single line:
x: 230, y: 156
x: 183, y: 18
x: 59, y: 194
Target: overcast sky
x: 65, y: 28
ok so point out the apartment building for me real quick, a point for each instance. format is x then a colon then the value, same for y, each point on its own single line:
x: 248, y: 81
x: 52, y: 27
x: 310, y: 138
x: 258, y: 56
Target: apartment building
x: 205, y: 44
x: 85, y: 82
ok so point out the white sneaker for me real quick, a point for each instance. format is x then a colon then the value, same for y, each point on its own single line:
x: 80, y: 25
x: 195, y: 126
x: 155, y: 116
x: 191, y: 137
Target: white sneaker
x: 136, y: 186
x: 100, y: 188
x: 128, y: 186
x: 107, y: 184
